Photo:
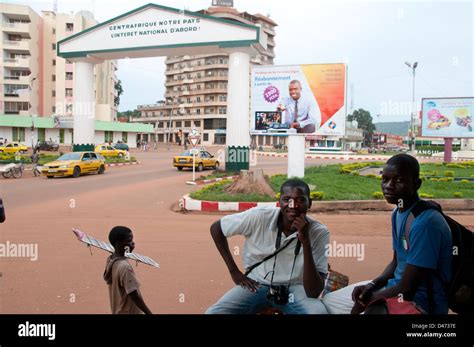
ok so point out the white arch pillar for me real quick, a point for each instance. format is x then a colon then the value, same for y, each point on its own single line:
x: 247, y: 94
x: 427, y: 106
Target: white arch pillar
x: 238, y: 112
x: 84, y: 104
x: 238, y: 104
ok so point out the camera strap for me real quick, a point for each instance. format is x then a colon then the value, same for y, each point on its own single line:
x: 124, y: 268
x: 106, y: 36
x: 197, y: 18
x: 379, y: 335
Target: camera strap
x: 274, y: 254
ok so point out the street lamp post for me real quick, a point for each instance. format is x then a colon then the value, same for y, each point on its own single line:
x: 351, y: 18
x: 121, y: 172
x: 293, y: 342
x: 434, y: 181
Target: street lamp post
x: 170, y: 100
x: 413, y: 114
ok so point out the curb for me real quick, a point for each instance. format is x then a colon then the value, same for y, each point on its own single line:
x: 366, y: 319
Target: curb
x: 123, y: 164
x: 351, y: 157
x: 216, y: 180
x: 186, y: 203
x: 189, y: 204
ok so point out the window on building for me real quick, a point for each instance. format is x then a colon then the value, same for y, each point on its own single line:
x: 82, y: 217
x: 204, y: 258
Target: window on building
x: 178, y: 124
x: 53, y: 109
x: 160, y: 125
x: 205, y: 137
x: 222, y: 97
x: 222, y: 110
x: 54, y: 62
x: 14, y: 107
x: 53, y: 78
x: 69, y: 76
x: 108, y: 136
x: 198, y: 99
x: 69, y: 27
x: 61, y: 135
x: 125, y: 136
x: 53, y: 93
x: 53, y: 46
x: 69, y: 108
x: 41, y: 134
x: 213, y: 124
x: 69, y: 92
x: 187, y: 124
x: 18, y: 134
x: 198, y: 111
x: 54, y: 31
x: 197, y: 123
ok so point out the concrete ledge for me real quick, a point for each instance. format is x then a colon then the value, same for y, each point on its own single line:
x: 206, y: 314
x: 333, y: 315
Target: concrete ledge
x: 189, y: 204
x: 213, y: 180
x: 122, y: 164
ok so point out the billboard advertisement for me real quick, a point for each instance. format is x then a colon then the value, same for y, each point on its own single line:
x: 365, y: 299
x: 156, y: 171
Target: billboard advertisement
x: 447, y: 117
x: 308, y: 99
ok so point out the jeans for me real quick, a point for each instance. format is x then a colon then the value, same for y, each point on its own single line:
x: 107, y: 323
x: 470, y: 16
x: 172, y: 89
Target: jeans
x: 240, y: 300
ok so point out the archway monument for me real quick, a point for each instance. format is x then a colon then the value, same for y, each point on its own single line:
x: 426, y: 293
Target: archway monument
x: 155, y: 31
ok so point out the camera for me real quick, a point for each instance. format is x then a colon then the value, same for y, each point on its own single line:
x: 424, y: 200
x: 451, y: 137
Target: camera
x: 278, y: 294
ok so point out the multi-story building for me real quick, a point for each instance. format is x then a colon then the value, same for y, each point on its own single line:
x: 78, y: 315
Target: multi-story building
x: 196, y: 88
x: 36, y: 84
x: 59, y: 73
x: 20, y: 63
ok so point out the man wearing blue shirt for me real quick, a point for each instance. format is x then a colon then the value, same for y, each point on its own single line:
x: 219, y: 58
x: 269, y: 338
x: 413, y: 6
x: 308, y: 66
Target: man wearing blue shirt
x: 299, y: 112
x: 421, y: 264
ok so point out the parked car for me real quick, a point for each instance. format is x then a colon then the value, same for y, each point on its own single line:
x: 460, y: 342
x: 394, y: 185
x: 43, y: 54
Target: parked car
x: 47, y: 146
x: 75, y: 164
x: 204, y: 159
x: 13, y: 147
x: 120, y: 145
x: 108, y: 151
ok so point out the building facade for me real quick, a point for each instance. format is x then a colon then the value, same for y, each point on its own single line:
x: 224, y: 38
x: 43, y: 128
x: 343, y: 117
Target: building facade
x: 196, y: 88
x: 34, y: 81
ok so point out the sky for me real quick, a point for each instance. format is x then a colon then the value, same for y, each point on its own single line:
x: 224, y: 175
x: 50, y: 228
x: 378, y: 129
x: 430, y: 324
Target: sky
x: 375, y: 39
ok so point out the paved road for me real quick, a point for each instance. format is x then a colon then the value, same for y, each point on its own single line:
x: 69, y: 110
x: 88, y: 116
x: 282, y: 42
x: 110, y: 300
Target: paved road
x: 66, y: 278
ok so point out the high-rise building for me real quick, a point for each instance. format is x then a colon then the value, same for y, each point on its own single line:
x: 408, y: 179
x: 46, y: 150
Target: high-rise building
x: 33, y: 80
x: 196, y: 88
x: 20, y: 61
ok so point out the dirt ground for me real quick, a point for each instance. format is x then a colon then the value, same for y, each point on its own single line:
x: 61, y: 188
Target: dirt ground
x: 66, y: 278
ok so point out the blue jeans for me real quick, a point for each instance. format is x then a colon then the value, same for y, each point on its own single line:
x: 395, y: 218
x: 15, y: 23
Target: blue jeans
x: 240, y: 300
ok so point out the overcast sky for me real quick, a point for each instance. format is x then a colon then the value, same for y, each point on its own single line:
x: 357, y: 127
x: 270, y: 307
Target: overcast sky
x: 375, y: 39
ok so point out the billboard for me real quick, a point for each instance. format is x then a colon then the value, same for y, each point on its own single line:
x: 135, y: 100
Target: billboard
x: 308, y: 99
x: 447, y: 117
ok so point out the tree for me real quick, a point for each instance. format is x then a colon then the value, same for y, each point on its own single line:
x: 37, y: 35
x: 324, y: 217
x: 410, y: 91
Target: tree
x: 129, y: 114
x: 119, y: 89
x: 364, y: 121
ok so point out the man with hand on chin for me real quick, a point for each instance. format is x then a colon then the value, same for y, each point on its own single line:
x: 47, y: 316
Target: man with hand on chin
x: 284, y: 256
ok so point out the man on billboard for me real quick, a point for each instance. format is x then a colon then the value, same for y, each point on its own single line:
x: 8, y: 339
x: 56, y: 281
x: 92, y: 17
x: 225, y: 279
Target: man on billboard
x: 300, y: 113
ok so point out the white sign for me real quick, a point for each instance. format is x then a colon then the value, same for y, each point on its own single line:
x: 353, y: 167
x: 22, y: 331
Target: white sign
x: 153, y: 27
x: 194, y: 140
x: 194, y: 151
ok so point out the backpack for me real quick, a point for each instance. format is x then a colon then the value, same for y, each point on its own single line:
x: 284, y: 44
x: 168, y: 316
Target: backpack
x: 460, y: 289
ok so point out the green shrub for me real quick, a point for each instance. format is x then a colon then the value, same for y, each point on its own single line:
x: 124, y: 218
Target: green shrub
x: 457, y: 194
x: 426, y: 196
x: 423, y: 178
x: 456, y: 166
x: 371, y: 176
x: 465, y: 181
x: 449, y: 173
x: 317, y: 195
x: 355, y: 173
x: 434, y: 179
x: 446, y: 179
x: 377, y: 195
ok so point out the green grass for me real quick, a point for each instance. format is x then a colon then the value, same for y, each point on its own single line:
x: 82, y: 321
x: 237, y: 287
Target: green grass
x: 338, y: 186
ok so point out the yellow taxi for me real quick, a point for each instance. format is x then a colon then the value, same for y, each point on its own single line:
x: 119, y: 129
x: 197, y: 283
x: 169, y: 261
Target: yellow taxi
x: 13, y: 147
x: 204, y: 159
x: 75, y: 164
x: 109, y: 151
